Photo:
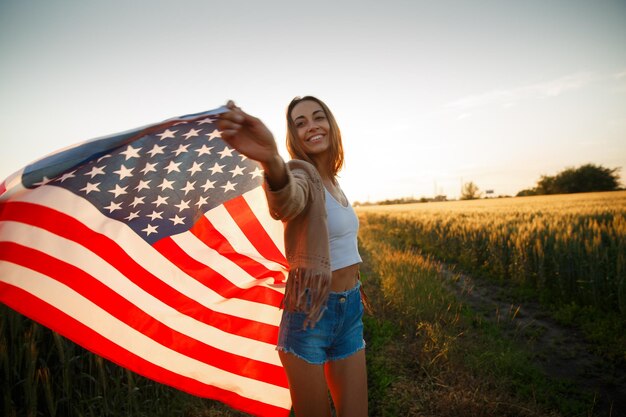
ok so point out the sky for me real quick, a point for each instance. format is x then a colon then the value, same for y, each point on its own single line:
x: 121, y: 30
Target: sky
x: 428, y: 95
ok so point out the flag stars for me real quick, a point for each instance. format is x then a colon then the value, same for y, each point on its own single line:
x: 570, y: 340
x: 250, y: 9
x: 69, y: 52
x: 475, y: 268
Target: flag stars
x: 215, y: 134
x: 216, y: 168
x: 208, y: 120
x: 237, y: 171
x: 124, y: 172
x: 196, y: 167
x: 168, y: 134
x: 43, y: 181
x: 228, y: 186
x: 208, y: 185
x: 173, y: 166
x: 226, y: 152
x: 155, y: 215
x: 191, y: 133
x: 131, y: 152
x: 160, y: 200
x: 90, y: 187
x: 202, y: 201
x: 166, y: 184
x: 182, y: 205
x: 143, y: 185
x: 131, y: 216
x: 181, y: 149
x: 95, y: 171
x: 118, y: 190
x: 257, y: 173
x: 149, y: 168
x: 150, y: 229
x: 67, y: 176
x: 113, y: 206
x: 177, y: 220
x: 137, y: 201
x: 188, y: 187
x: 204, y: 150
x: 156, y: 150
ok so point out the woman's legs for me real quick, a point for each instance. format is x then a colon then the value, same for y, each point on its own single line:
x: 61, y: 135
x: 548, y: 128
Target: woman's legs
x: 307, y: 386
x: 347, y: 380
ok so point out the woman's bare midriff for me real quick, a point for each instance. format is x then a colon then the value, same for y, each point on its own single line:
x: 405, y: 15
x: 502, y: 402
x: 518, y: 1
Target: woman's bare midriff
x: 345, y: 278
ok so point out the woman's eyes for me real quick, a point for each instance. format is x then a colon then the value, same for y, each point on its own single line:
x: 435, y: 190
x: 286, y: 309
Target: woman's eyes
x: 300, y: 124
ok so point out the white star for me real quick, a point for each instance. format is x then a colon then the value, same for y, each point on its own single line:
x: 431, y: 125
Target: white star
x: 67, y: 176
x: 150, y: 229
x: 166, y: 184
x: 95, y: 171
x: 182, y: 205
x: 142, y: 185
x: 118, y: 190
x: 149, y: 168
x: 188, y: 187
x: 131, y: 152
x: 216, y: 168
x: 226, y: 152
x: 208, y: 120
x: 124, y: 172
x: 208, y: 184
x: 132, y: 215
x: 205, y: 150
x: 257, y: 172
x: 155, y: 215
x: 243, y: 157
x: 137, y: 201
x: 43, y: 181
x: 173, y: 166
x: 201, y: 202
x: 113, y: 206
x: 177, y: 220
x: 237, y: 171
x: 156, y: 149
x: 167, y: 134
x: 191, y: 133
x: 103, y: 157
x: 196, y: 167
x: 215, y: 134
x: 90, y: 187
x: 181, y: 149
x: 228, y: 186
x: 160, y: 200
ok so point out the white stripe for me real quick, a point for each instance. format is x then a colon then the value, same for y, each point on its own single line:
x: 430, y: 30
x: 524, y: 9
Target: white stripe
x: 224, y: 223
x: 77, y: 306
x: 146, y: 256
x: 73, y: 253
x: 274, y: 228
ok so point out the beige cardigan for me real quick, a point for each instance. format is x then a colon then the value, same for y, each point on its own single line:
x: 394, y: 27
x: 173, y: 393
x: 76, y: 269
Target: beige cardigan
x: 300, y: 204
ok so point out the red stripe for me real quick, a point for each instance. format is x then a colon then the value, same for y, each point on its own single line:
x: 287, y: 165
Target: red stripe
x: 3, y: 187
x: 60, y: 322
x: 212, y: 279
x: 70, y: 228
x: 127, y: 312
x: 243, y: 215
x: 207, y: 233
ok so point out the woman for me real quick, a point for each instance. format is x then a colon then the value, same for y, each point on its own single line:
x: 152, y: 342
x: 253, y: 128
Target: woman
x: 320, y: 341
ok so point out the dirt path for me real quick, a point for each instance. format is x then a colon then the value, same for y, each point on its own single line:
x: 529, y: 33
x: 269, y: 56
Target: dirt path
x: 560, y: 351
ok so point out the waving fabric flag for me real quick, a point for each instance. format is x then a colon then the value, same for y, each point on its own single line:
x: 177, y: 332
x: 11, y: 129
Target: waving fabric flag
x: 154, y: 248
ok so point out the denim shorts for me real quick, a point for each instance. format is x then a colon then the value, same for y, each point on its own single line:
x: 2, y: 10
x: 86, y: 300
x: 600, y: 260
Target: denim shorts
x: 337, y: 335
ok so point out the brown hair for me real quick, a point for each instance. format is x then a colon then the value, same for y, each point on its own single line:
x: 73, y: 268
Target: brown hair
x: 335, y: 161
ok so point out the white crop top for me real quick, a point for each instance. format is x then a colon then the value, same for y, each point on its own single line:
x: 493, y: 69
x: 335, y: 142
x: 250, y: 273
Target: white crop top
x: 343, y: 226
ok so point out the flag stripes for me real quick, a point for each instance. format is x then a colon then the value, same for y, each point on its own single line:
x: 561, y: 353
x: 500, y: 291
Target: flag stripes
x: 113, y: 282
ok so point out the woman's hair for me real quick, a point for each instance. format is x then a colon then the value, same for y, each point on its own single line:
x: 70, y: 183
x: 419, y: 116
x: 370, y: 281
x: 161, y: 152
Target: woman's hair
x: 335, y: 160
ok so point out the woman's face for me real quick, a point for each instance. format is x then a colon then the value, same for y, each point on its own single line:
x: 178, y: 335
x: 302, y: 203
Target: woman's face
x: 312, y: 126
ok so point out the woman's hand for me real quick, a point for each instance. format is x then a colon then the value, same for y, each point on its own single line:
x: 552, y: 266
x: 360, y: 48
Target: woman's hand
x: 247, y: 134
x: 251, y: 137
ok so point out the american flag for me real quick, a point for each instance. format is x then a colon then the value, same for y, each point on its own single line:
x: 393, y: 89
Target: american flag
x: 154, y: 248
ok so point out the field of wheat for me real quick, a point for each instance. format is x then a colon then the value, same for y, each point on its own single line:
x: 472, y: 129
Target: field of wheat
x: 570, y: 248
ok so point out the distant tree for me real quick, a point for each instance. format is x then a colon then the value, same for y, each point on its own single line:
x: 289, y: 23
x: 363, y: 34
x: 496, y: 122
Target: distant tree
x: 469, y: 191
x: 584, y: 179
